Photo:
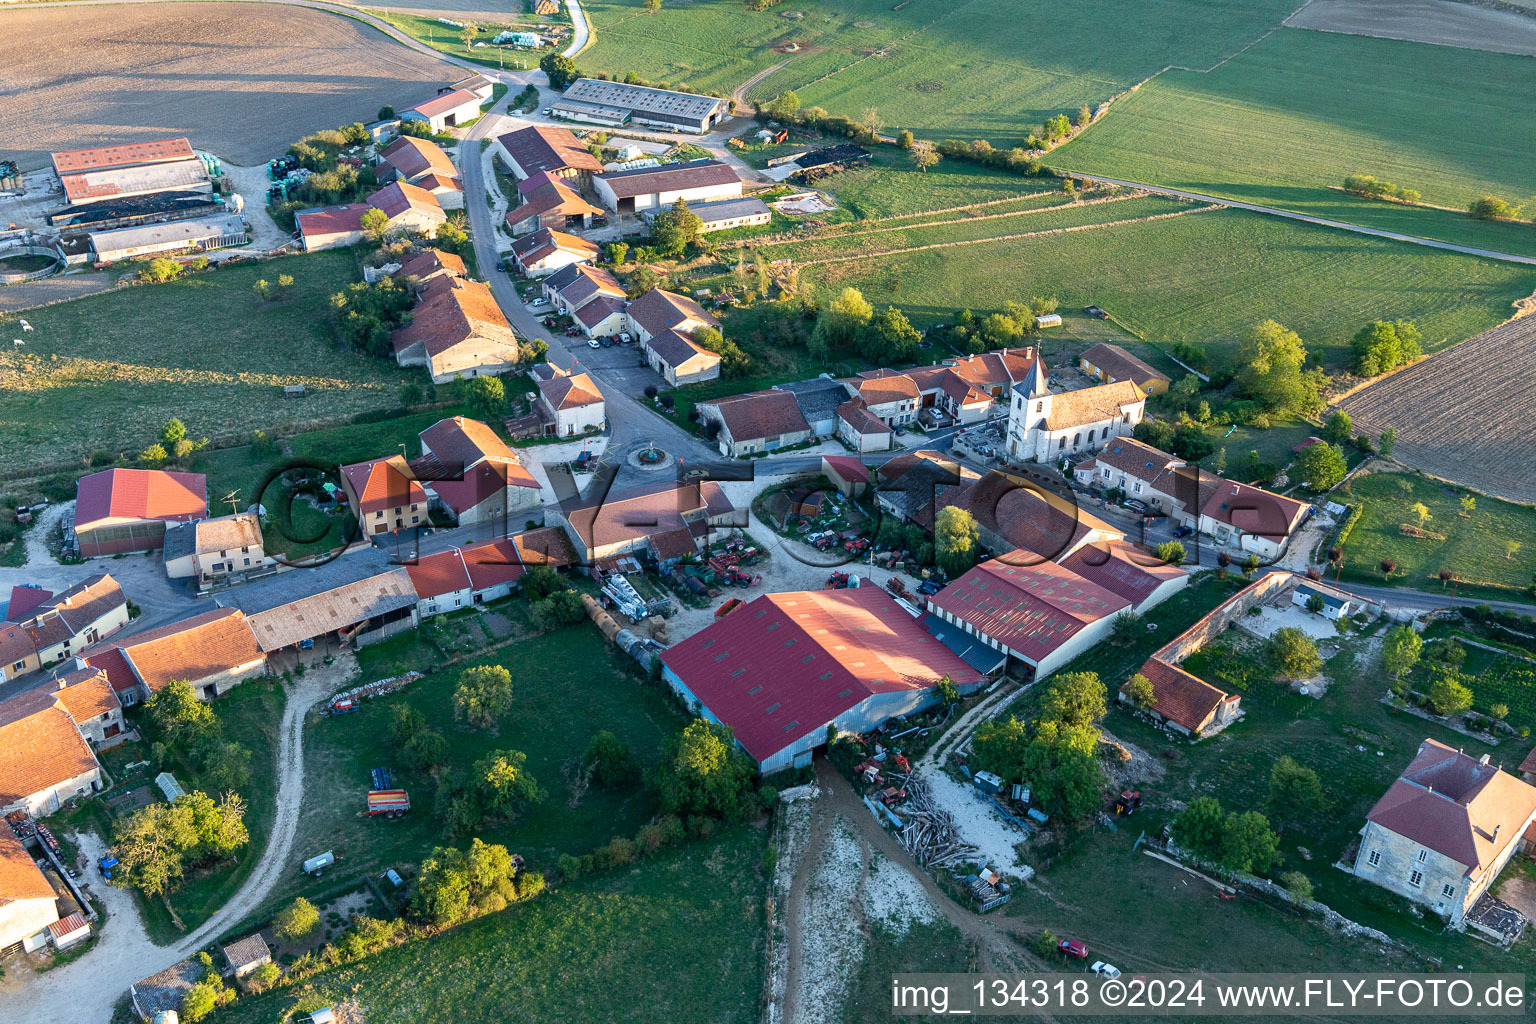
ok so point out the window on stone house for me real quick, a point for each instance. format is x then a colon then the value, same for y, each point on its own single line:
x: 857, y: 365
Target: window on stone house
x: 1375, y: 858
x: 1077, y: 439
x: 1447, y: 890
x: 1039, y: 406
x: 1423, y: 856
x: 1416, y: 879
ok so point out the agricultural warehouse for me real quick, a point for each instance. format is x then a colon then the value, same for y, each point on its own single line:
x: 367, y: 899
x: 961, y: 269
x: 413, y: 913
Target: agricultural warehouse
x: 359, y: 599
x: 446, y: 111
x: 614, y: 104
x: 200, y: 233
x: 656, y: 188
x: 1444, y: 830
x: 1111, y: 363
x: 135, y: 169
x: 1041, y: 615
x: 781, y: 668
x: 543, y: 149
x: 122, y: 510
x: 723, y: 214
x: 549, y: 203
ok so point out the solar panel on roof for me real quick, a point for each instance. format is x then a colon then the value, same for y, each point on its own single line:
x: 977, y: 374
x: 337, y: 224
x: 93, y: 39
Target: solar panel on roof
x: 771, y: 708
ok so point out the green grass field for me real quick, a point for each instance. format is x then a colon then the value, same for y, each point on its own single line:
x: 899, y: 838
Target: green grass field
x: 975, y: 69
x: 567, y: 685
x: 1284, y: 123
x: 1474, y: 547
x: 1204, y: 277
x: 1325, y: 734
x: 104, y: 373
x: 677, y: 937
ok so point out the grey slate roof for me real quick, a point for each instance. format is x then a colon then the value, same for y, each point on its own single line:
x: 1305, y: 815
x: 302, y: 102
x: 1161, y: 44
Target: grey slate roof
x: 819, y: 397
x: 180, y: 541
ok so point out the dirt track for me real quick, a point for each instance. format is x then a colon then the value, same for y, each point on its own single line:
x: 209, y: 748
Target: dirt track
x: 240, y: 80
x: 1446, y: 22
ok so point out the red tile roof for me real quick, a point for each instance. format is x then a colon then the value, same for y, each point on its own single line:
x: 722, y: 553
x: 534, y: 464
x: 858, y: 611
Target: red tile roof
x: 1457, y: 805
x: 140, y: 494
x: 1529, y: 764
x: 896, y: 387
x: 444, y: 103
x: 1250, y: 509
x: 23, y: 601
x: 40, y: 747
x: 383, y: 484
x: 129, y: 154
x: 424, y: 264
x: 677, y: 349
x: 1121, y: 365
x: 1121, y: 569
x: 552, y: 198
x: 86, y: 694
x: 847, y: 467
x: 542, y: 148
x: 547, y: 545
x: 332, y: 220
x: 568, y: 392
x: 531, y: 248
x: 857, y: 415
x: 111, y: 661
x: 461, y: 490
x: 215, y: 641
x: 998, y: 369
x: 1026, y: 515
x: 620, y: 518
x: 759, y: 414
x: 1182, y: 698
x: 669, y: 178
x: 413, y: 157
x: 659, y: 311
x: 400, y: 197
x: 461, y: 441
x: 1092, y: 405
x: 20, y: 878
x: 495, y: 563
x: 452, y: 311
x: 439, y: 574
x: 785, y: 665
x: 1032, y: 608
x: 590, y: 314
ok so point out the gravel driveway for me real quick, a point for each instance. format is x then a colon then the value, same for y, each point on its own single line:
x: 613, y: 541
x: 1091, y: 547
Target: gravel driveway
x: 97, y: 980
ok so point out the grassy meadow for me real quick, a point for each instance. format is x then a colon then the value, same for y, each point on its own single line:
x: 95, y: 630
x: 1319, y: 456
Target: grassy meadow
x: 567, y: 685
x: 1285, y: 122
x: 676, y: 937
x: 1205, y: 277
x: 976, y: 69
x: 1475, y: 547
x: 102, y: 374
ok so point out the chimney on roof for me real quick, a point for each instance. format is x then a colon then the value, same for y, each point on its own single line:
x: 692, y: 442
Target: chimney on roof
x: 1496, y: 830
x: 1483, y: 760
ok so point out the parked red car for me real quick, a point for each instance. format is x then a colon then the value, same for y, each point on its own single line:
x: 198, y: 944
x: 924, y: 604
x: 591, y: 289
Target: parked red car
x: 1072, y: 948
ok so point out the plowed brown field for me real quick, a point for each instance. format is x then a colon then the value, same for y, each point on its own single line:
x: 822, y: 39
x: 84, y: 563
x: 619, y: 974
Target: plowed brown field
x: 239, y: 80
x: 1465, y: 415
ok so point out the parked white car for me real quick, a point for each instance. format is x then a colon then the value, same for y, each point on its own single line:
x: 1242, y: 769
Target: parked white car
x: 1107, y: 970
x: 539, y: 303
x: 594, y: 343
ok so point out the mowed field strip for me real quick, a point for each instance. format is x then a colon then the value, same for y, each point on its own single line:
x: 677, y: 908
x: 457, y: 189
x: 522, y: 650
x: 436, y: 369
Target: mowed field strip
x: 973, y: 68
x: 1465, y: 414
x: 1285, y: 122
x: 239, y: 80
x: 104, y: 372
x: 1206, y: 278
